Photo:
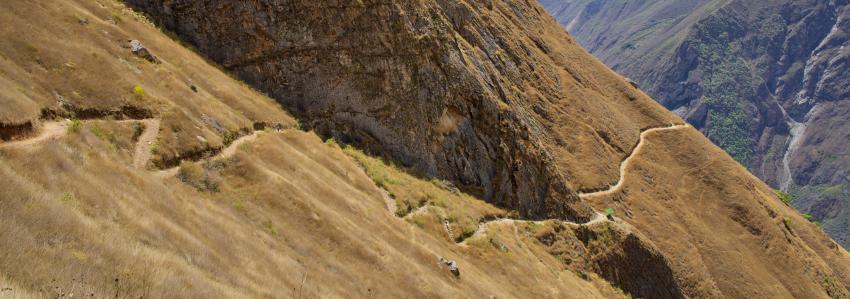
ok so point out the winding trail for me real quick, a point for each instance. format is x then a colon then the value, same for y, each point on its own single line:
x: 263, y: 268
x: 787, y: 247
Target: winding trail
x: 141, y: 154
x: 225, y: 153
x: 49, y: 130
x: 232, y: 149
x: 145, y: 143
x: 597, y: 218
x: 483, y: 227
x: 624, y: 165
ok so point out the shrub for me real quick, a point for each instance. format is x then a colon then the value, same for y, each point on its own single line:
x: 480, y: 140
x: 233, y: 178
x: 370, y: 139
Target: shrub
x: 138, y: 91
x: 69, y: 197
x: 228, y: 138
x: 204, y: 177
x: 808, y: 217
x: 381, y: 181
x: 785, y: 197
x: 116, y: 16
x: 246, y: 147
x: 74, y: 126
x: 270, y: 227
x: 138, y: 130
x: 331, y: 142
x: 418, y: 220
x: 496, y: 243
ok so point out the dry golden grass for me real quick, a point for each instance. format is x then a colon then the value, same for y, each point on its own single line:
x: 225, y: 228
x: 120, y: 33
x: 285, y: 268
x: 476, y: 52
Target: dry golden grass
x: 288, y: 206
x: 77, y: 51
x: 414, y: 196
x: 289, y: 216
x: 724, y: 230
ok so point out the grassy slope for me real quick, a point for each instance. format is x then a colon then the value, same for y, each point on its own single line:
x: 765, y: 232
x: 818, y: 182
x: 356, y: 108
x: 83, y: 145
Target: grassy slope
x: 290, y: 214
x: 728, y: 78
x: 78, y: 53
x: 774, y: 244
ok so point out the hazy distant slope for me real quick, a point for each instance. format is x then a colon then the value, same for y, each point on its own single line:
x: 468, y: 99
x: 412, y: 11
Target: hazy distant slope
x: 629, y: 35
x: 758, y: 78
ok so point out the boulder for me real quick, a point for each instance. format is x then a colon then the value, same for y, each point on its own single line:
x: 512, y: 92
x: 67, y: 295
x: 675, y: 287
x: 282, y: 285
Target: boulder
x: 139, y: 50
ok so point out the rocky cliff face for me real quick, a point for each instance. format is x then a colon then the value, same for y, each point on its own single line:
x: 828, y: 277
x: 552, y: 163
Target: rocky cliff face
x: 445, y: 87
x: 756, y: 77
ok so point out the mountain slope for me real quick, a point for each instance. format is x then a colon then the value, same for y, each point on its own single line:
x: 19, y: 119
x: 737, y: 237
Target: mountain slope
x: 453, y: 90
x: 495, y: 97
x: 276, y: 213
x: 761, y: 79
x: 234, y: 201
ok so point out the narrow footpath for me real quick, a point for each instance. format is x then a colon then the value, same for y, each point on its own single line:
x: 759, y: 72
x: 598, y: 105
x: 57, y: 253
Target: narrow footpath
x: 597, y: 218
x: 624, y: 165
x: 142, y: 152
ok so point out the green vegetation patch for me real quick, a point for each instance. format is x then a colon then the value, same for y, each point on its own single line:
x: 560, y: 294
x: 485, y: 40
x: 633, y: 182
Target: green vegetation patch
x: 74, y: 126
x: 785, y: 197
x: 727, y: 83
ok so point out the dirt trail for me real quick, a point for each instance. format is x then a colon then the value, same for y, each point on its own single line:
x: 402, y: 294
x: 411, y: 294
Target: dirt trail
x: 626, y: 162
x: 388, y: 199
x: 142, y: 152
x: 598, y: 217
x: 49, y: 130
x: 225, y: 153
x: 482, y: 227
x: 231, y: 149
x: 143, y: 147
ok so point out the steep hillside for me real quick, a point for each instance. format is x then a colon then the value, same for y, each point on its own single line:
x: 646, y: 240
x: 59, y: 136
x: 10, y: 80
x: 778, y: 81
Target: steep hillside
x: 85, y: 210
x: 497, y: 99
x: 766, y: 80
x: 453, y: 89
x: 151, y: 173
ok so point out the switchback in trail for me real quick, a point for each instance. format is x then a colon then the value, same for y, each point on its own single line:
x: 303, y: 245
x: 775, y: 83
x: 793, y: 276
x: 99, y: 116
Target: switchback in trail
x: 624, y: 165
x: 48, y: 131
x: 142, y: 152
x: 597, y: 218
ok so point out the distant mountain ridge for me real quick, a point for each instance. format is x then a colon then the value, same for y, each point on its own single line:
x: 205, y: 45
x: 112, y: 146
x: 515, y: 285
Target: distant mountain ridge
x: 766, y: 80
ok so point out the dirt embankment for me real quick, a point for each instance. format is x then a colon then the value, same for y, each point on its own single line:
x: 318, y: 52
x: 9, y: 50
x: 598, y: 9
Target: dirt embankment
x: 10, y: 132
